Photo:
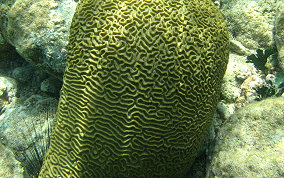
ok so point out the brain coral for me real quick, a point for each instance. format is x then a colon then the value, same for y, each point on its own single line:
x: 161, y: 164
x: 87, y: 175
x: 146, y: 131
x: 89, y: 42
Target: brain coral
x: 140, y: 88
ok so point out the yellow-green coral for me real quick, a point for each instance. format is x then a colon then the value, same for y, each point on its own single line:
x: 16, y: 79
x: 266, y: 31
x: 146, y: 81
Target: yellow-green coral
x: 140, y: 88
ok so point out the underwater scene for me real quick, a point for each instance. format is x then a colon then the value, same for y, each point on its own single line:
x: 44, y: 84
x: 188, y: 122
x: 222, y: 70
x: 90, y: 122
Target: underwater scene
x: 142, y: 88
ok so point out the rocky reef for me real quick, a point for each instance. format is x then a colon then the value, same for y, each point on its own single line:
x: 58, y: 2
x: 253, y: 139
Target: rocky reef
x: 249, y: 117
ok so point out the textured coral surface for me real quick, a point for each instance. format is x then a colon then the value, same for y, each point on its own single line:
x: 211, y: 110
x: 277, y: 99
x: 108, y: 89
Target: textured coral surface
x: 140, y: 88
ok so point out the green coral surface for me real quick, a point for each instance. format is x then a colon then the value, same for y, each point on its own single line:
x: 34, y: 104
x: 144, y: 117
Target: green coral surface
x: 141, y: 85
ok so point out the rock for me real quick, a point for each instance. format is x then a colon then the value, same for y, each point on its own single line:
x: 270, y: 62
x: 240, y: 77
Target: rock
x: 38, y: 77
x: 29, y: 75
x: 51, y: 85
x: 251, y: 142
x: 23, y: 73
x: 9, y: 166
x: 240, y: 81
x: 9, y: 59
x: 279, y: 32
x: 18, y: 117
x: 226, y: 109
x: 39, y: 30
x: 238, y: 48
x: 20, y: 120
x: 8, y: 91
x: 250, y: 21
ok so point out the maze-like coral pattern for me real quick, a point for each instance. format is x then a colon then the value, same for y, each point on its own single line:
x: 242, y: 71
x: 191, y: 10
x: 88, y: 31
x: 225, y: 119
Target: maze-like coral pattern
x: 140, y: 88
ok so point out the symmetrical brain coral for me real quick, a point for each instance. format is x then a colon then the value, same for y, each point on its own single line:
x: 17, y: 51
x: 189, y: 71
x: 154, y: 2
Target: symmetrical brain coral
x: 140, y: 88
